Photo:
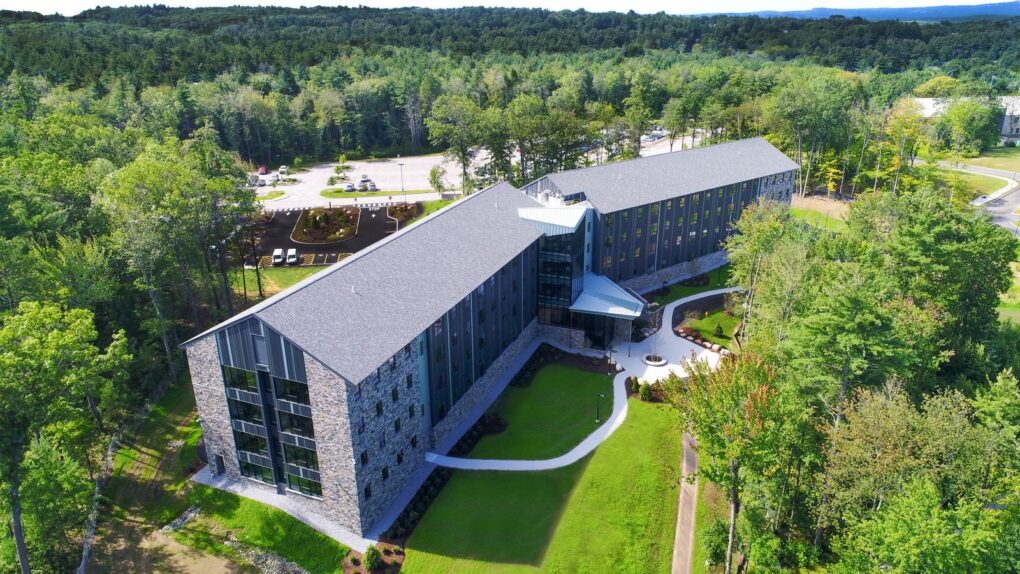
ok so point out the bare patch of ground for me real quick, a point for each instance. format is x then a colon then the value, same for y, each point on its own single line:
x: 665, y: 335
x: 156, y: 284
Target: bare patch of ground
x: 831, y: 207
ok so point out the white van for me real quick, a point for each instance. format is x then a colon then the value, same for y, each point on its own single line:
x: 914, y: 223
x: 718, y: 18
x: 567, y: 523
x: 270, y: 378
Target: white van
x: 278, y: 257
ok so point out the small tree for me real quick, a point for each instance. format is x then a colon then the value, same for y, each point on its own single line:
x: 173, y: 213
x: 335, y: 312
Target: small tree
x: 342, y: 166
x: 436, y: 175
x: 373, y: 559
x: 646, y: 392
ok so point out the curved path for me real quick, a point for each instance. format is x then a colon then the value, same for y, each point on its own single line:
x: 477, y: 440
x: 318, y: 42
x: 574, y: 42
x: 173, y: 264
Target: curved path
x: 1003, y: 204
x: 676, y: 350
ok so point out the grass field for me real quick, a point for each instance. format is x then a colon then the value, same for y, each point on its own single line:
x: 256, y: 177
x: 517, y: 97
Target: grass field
x: 614, y: 511
x: 335, y: 192
x: 1007, y: 158
x: 149, y: 488
x: 981, y: 184
x: 717, y: 279
x: 548, y: 417
x: 706, y: 326
x: 274, y: 279
x: 818, y: 219
x: 271, y: 196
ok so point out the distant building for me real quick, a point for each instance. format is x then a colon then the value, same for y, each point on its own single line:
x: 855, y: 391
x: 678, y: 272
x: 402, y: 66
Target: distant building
x: 332, y: 391
x: 1009, y: 127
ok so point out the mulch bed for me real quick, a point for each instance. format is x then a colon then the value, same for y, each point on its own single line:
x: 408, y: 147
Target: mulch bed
x: 326, y: 225
x: 404, y: 212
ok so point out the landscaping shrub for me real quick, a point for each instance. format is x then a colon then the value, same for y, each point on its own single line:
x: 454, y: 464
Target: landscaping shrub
x: 718, y: 331
x: 645, y: 392
x: 373, y: 559
x: 634, y: 384
x: 714, y: 541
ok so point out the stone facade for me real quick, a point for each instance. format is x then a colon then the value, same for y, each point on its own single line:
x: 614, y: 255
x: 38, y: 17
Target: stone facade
x: 482, y: 387
x: 388, y: 450
x: 778, y: 187
x: 563, y: 336
x: 211, y: 399
x: 328, y: 395
x: 676, y: 273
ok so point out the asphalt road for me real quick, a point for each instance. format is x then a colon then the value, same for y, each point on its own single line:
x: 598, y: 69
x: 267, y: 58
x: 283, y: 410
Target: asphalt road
x: 373, y: 225
x: 1003, y: 209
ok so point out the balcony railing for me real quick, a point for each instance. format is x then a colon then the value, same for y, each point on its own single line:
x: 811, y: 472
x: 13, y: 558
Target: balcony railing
x: 250, y: 428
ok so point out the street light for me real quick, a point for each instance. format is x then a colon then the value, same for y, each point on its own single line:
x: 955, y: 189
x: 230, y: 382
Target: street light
x: 401, y: 164
x: 598, y: 404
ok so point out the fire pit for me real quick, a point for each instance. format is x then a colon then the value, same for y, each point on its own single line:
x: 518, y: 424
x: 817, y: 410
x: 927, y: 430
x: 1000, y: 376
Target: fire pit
x: 654, y: 360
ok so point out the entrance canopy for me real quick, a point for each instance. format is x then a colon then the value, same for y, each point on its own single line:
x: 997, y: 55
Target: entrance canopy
x: 600, y: 296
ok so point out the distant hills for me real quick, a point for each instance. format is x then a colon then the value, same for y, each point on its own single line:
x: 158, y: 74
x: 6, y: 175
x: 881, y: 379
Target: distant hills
x: 920, y: 14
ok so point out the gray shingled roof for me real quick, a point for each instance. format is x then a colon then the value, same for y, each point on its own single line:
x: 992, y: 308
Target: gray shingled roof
x: 622, y: 185
x: 356, y: 315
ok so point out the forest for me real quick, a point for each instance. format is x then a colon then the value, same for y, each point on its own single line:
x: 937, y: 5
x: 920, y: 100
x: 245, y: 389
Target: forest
x: 125, y: 135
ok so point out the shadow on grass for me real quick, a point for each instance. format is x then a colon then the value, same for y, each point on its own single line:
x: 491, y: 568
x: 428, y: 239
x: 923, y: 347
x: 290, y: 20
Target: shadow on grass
x: 496, y: 517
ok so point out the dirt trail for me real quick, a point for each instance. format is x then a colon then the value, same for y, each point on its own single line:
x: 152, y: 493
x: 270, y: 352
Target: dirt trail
x: 830, y: 207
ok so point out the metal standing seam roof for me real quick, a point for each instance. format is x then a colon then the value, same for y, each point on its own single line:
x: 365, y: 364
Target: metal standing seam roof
x: 625, y: 184
x: 360, y: 312
x: 555, y: 220
x: 600, y: 296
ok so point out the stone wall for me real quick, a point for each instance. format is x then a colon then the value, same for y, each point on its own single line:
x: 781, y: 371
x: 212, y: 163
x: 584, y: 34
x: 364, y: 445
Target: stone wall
x: 328, y: 395
x: 563, y: 336
x: 677, y: 273
x: 778, y: 187
x: 211, y: 398
x: 376, y: 435
x: 483, y: 386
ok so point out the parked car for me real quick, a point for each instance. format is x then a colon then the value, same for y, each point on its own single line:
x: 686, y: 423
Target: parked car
x: 275, y: 177
x: 278, y: 257
x: 363, y: 185
x: 261, y: 182
x: 364, y: 178
x: 263, y: 170
x: 371, y: 186
x: 292, y: 256
x: 349, y: 186
x: 283, y: 170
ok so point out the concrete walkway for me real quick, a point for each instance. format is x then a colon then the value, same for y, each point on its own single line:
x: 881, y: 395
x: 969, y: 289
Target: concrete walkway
x: 683, y: 542
x: 676, y: 350
x: 286, y: 503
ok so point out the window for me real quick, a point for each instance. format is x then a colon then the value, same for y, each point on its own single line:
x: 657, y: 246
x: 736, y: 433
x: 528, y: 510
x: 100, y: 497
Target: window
x: 385, y: 472
x: 410, y: 380
x: 655, y: 210
x: 407, y: 348
x: 654, y: 229
x: 240, y: 379
x: 640, y: 212
x: 368, y: 491
x: 304, y: 485
x: 296, y: 424
x: 245, y: 411
x: 410, y: 411
x: 301, y: 456
x: 361, y: 425
x: 400, y: 457
x: 394, y: 394
x: 637, y: 233
x: 292, y: 391
x: 637, y: 252
x: 364, y: 457
x: 607, y: 261
x: 414, y: 442
x: 378, y: 408
x: 251, y: 443
x: 623, y: 237
x: 396, y: 425
x: 255, y: 471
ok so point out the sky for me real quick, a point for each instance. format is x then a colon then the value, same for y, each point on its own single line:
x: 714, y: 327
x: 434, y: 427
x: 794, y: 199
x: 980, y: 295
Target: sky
x: 71, y: 7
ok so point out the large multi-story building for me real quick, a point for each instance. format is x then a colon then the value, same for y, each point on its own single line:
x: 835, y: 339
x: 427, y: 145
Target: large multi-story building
x: 333, y: 390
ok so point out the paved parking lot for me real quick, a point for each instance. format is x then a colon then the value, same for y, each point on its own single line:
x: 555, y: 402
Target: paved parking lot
x: 373, y: 225
x: 384, y: 172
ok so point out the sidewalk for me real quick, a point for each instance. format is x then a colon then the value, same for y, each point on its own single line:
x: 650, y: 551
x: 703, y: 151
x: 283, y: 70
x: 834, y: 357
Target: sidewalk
x: 683, y: 543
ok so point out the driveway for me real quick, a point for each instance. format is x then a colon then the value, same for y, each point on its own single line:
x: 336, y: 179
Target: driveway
x: 373, y: 225
x: 1002, y: 205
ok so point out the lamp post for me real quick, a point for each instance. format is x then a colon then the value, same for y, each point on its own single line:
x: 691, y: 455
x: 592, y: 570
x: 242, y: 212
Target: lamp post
x: 401, y: 164
x: 598, y: 405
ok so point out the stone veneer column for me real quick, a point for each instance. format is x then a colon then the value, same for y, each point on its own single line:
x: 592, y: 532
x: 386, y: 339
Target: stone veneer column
x: 328, y: 394
x: 211, y: 399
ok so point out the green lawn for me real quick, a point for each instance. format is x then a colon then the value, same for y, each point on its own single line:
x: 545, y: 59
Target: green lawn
x: 818, y: 219
x: 981, y: 184
x: 1007, y: 158
x: 549, y: 417
x: 430, y: 207
x: 614, y: 511
x: 711, y: 505
x: 706, y: 326
x: 335, y: 192
x: 717, y: 279
x: 271, y: 196
x: 149, y: 488
x: 1010, y: 307
x: 274, y: 279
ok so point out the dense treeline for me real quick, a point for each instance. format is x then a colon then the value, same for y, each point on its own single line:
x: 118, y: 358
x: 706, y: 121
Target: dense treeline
x: 871, y: 421
x: 159, y: 45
